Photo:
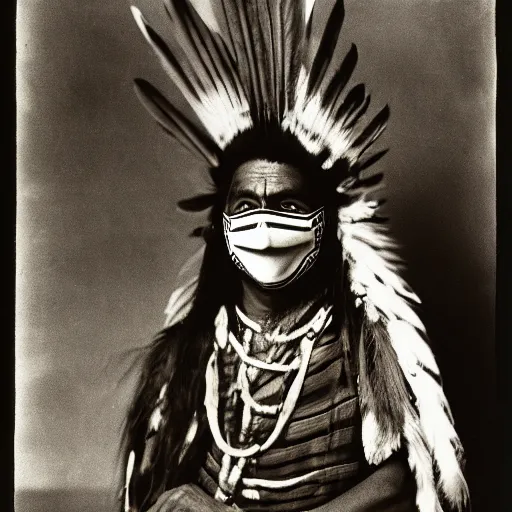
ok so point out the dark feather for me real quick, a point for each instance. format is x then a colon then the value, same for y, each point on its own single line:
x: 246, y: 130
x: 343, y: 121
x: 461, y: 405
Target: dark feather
x: 370, y: 182
x: 372, y: 131
x: 309, y: 26
x: 261, y: 36
x: 233, y: 35
x: 197, y: 203
x: 208, y: 55
x: 173, y: 60
x: 240, y: 32
x: 198, y: 232
x: 340, y: 79
x: 292, y: 15
x: 384, y: 390
x: 353, y: 101
x: 327, y: 46
x: 356, y: 116
x: 266, y: 33
x: 368, y: 161
x: 276, y: 21
x: 175, y: 123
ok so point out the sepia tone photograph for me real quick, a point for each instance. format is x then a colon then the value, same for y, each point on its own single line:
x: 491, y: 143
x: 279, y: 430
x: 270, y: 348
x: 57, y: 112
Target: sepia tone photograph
x: 255, y: 256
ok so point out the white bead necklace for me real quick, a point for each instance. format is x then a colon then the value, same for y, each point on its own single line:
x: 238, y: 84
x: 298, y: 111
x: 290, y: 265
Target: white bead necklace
x: 230, y: 474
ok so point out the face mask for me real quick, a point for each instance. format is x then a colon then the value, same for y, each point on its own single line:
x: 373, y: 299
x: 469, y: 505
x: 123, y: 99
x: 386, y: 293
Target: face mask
x: 274, y: 248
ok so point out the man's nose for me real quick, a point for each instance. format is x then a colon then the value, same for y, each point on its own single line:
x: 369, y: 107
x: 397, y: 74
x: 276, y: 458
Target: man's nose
x: 262, y: 236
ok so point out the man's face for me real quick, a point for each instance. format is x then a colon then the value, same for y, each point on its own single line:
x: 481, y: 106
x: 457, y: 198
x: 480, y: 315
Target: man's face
x: 274, y: 186
x: 273, y: 222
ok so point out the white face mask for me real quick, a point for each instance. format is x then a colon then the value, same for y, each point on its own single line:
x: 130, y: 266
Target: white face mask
x: 274, y: 248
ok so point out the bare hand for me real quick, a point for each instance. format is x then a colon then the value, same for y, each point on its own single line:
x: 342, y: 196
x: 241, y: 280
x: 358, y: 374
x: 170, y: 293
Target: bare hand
x: 187, y: 498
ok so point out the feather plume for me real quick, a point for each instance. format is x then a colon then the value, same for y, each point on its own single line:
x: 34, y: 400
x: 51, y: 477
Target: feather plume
x: 264, y: 71
x: 369, y: 160
x: 211, y: 106
x: 340, y: 79
x: 326, y: 48
x: 197, y: 203
x: 428, y: 429
x: 352, y: 102
x: 180, y: 303
x: 175, y: 123
x: 370, y: 134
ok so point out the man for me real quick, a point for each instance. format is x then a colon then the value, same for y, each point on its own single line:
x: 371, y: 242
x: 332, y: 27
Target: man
x: 293, y: 373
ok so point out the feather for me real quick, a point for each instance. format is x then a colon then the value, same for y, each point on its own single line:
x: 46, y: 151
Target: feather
x: 340, y: 79
x: 189, y: 437
x: 240, y: 33
x: 184, y: 79
x: 420, y: 463
x: 356, y: 116
x: 129, y: 473
x: 326, y: 48
x: 197, y: 203
x: 207, y: 50
x: 420, y: 370
x: 292, y: 15
x: 278, y: 63
x: 371, y: 132
x: 175, y: 123
x: 369, y: 183
x: 352, y: 102
x: 261, y: 29
x: 224, y: 114
x: 368, y: 161
x: 180, y: 303
x: 382, y: 392
x: 308, y: 11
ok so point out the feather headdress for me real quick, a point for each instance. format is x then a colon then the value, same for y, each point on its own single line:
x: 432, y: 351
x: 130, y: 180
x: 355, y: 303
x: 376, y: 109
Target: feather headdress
x: 265, y: 73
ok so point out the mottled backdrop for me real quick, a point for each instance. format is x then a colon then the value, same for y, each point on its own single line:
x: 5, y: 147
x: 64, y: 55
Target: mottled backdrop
x: 100, y: 240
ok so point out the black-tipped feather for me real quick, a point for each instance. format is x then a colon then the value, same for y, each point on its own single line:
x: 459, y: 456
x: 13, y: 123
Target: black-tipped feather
x: 355, y: 116
x: 369, y: 160
x: 175, y: 123
x: 172, y: 60
x: 353, y: 101
x: 194, y: 47
x: 340, y: 79
x: 197, y: 203
x: 370, y: 182
x: 210, y: 48
x: 372, y: 131
x: 327, y: 46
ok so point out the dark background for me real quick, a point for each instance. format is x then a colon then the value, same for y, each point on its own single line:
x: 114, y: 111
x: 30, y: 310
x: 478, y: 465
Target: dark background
x: 99, y: 240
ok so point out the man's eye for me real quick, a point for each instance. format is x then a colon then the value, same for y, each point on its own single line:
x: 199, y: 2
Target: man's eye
x: 243, y: 206
x: 294, y: 206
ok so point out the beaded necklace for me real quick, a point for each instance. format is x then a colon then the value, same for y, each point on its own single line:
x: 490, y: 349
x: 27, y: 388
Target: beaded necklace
x: 231, y: 470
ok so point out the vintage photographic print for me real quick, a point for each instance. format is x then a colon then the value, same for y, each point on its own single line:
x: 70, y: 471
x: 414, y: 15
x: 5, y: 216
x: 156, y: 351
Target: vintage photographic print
x: 255, y: 256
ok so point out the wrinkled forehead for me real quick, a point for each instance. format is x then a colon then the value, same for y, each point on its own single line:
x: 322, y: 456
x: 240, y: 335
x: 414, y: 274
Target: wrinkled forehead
x: 264, y: 178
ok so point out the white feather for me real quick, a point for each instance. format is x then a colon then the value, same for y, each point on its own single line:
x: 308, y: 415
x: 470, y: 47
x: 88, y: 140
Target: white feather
x: 420, y: 463
x: 223, y: 115
x: 180, y: 302
x: 430, y: 437
x: 431, y: 402
x: 308, y: 9
x: 377, y: 447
